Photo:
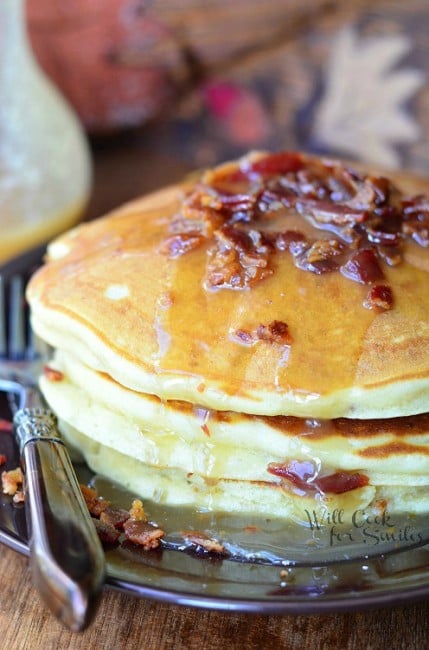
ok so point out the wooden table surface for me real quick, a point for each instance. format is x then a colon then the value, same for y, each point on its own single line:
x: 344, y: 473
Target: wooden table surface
x: 126, y: 622
x: 125, y: 168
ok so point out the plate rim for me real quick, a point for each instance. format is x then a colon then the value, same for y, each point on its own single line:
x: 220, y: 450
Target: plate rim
x: 304, y: 605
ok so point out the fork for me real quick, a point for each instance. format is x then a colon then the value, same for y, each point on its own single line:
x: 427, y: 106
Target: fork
x: 67, y: 558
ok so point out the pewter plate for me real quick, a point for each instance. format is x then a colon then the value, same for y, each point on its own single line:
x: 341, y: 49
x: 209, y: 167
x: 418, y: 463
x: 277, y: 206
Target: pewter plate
x: 313, y: 583
x: 279, y: 570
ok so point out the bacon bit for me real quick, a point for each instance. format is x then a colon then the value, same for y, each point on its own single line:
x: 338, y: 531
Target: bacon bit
x: 109, y: 522
x: 98, y: 507
x: 323, y: 256
x: 238, y: 258
x: 341, y: 482
x: 18, y: 497
x: 323, y: 249
x: 115, y: 517
x: 52, y: 374
x: 11, y: 481
x: 202, y: 540
x: 326, y: 212
x: 87, y: 492
x: 229, y: 210
x: 107, y: 533
x: 382, y: 237
x: 416, y: 219
x: 363, y: 267
x: 3, y: 459
x: 243, y: 336
x: 180, y: 244
x: 144, y: 534
x: 390, y: 254
x: 137, y: 512
x: 301, y: 471
x: 281, y: 162
x: 284, y: 240
x: 379, y: 298
x: 196, y: 216
x: 6, y: 426
x: 275, y: 332
x: 95, y: 504
x: 304, y: 475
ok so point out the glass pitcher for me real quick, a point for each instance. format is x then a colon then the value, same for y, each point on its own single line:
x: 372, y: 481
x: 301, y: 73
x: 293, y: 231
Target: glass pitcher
x: 45, y: 168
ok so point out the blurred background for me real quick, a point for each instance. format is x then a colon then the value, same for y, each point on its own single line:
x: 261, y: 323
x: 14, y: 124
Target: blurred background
x: 165, y: 86
x: 227, y: 76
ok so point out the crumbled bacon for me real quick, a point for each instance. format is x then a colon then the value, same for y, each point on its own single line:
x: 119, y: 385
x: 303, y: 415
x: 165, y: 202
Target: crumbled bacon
x: 304, y: 475
x: 416, y: 219
x: 201, y: 212
x: 177, y: 245
x: 110, y: 522
x: 95, y: 504
x: 323, y: 249
x: 142, y: 533
x: 204, y: 542
x: 363, y: 266
x: 322, y: 213
x: 390, y: 254
x: 245, y: 337
x: 284, y: 240
x: 11, y: 481
x: 52, y: 374
x: 322, y: 256
x: 238, y: 258
x: 275, y: 332
x: 379, y: 297
x: 115, y: 517
x: 341, y: 482
x: 233, y: 210
x: 282, y: 162
x: 137, y: 512
x: 106, y: 532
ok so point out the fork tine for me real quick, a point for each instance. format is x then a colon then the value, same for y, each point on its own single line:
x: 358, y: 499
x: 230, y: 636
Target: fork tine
x: 17, y: 320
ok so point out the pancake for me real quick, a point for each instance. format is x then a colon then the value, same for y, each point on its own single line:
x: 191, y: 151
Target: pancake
x: 228, y: 444
x: 254, y: 340
x: 178, y: 453
x: 109, y: 295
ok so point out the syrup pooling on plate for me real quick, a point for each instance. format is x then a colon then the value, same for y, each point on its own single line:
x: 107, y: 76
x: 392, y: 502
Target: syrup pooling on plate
x: 262, y: 540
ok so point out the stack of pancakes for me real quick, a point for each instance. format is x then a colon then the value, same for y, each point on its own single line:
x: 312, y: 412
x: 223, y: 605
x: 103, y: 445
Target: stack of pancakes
x: 189, y: 377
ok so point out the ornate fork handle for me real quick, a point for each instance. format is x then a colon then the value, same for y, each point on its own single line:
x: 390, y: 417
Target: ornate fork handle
x: 66, y: 555
x: 35, y: 424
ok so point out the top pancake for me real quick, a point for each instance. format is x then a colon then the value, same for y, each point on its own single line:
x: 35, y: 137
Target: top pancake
x: 110, y: 294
